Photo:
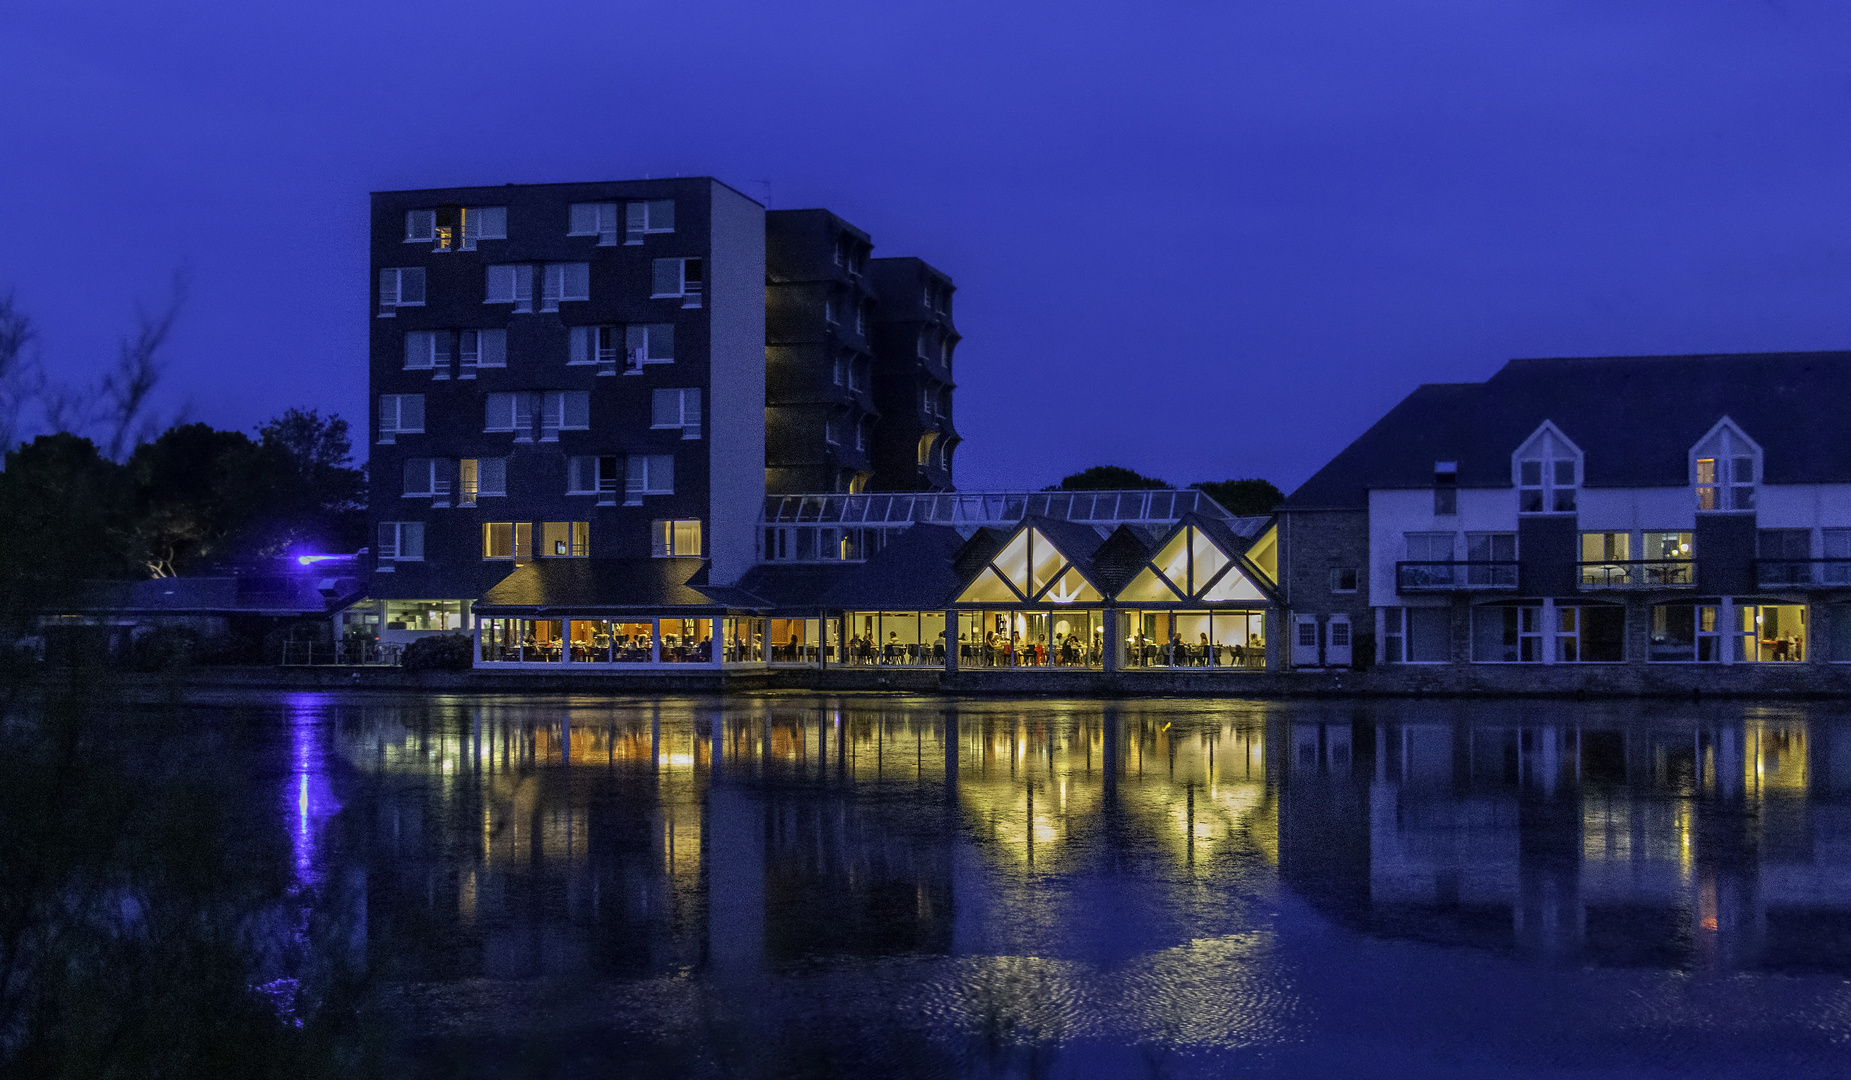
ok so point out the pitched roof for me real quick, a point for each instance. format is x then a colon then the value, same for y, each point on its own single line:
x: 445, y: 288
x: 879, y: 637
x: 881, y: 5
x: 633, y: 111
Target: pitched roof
x: 565, y: 585
x: 916, y: 571
x: 793, y: 585
x: 1635, y: 419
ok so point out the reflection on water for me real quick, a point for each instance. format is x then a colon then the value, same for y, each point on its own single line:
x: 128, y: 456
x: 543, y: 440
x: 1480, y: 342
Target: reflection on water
x: 1139, y: 879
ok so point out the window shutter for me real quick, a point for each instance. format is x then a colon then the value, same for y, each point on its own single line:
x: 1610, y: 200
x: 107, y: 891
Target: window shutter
x: 494, y: 345
x: 580, y: 351
x: 388, y: 541
x: 411, y: 412
x: 635, y: 223
x: 577, y: 407
x: 493, y: 476
x: 668, y: 277
x: 388, y: 289
x: 411, y: 285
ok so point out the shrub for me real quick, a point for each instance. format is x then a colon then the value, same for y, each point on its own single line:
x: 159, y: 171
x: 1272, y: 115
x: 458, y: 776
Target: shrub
x: 440, y: 652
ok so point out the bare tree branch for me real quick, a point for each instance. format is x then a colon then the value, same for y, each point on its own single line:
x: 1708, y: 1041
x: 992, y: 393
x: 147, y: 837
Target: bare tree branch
x: 124, y: 393
x: 19, y: 375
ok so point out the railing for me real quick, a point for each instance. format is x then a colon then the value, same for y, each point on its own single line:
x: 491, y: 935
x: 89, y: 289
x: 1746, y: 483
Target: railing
x: 1823, y: 573
x: 467, y: 492
x: 1447, y: 575
x: 1638, y: 574
x: 350, y: 653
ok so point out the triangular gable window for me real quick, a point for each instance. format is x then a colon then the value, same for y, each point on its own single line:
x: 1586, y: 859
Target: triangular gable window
x: 1030, y: 569
x: 1190, y: 566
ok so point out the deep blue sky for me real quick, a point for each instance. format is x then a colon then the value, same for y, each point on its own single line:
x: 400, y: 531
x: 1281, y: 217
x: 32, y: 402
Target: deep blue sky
x: 1203, y: 240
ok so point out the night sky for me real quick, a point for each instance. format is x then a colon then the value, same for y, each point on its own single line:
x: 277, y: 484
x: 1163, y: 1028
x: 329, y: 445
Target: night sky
x: 1202, y: 240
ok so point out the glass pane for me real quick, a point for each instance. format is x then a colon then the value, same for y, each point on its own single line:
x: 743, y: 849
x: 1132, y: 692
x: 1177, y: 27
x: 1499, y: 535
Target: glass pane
x: 1147, y: 587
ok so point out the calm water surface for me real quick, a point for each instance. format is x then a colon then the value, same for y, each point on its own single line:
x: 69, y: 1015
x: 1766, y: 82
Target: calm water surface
x: 803, y: 885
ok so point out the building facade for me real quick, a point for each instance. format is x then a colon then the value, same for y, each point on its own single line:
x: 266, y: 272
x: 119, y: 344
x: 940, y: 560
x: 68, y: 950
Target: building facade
x: 1591, y: 515
x: 914, y: 340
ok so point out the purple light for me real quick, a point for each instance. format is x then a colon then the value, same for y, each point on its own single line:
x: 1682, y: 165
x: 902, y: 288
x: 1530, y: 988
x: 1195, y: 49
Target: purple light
x: 310, y: 560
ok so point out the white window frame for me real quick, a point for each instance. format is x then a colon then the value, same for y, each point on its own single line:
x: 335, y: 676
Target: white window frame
x: 669, y: 534
x: 518, y: 281
x: 676, y: 409
x: 1548, y: 450
x: 564, y: 282
x: 640, y: 341
x: 421, y: 350
x: 647, y: 474
x: 597, y: 219
x: 520, y: 540
x: 400, y: 541
x: 1729, y: 449
x: 646, y: 216
x: 564, y: 410
x: 484, y: 223
x: 689, y: 292
x: 393, y: 287
x: 420, y: 226
x: 483, y: 348
x: 427, y: 475
x: 393, y: 421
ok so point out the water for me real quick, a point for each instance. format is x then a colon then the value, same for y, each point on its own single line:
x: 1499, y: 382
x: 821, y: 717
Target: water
x: 815, y: 886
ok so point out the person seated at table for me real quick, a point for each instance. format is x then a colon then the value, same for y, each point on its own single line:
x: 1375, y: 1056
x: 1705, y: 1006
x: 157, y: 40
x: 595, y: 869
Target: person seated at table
x: 1176, y: 649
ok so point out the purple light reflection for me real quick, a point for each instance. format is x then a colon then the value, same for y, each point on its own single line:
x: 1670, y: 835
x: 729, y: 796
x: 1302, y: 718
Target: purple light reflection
x: 310, y: 795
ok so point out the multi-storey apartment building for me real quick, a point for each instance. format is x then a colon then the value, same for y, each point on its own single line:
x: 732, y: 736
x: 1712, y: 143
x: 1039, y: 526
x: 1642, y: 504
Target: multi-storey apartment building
x: 820, y: 417
x: 1582, y: 514
x: 913, y: 343
x: 560, y: 372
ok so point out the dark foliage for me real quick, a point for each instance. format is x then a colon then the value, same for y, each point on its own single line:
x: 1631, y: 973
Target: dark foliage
x: 1108, y: 478
x: 443, y: 652
x: 1244, y: 498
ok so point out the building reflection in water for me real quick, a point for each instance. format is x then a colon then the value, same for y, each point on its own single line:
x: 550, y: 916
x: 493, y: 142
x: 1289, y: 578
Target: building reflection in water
x: 516, y: 839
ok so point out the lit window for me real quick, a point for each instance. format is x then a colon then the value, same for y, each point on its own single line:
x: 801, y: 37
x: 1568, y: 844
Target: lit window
x: 510, y: 285
x: 482, y: 477
x: 595, y: 219
x: 401, y: 541
x: 925, y: 447
x: 400, y: 287
x: 1725, y: 469
x: 677, y: 409
x: 400, y: 414
x: 507, y: 540
x: 420, y: 226
x: 677, y: 539
x: 653, y: 216
x: 565, y: 539
x: 564, y: 281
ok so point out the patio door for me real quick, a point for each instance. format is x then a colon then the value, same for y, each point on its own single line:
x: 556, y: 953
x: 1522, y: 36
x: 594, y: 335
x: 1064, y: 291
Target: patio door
x: 1305, y: 641
x: 1337, y: 642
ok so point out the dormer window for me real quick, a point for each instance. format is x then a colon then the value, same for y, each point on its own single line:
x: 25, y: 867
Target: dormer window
x: 1445, y: 488
x: 1548, y: 469
x: 1725, y: 467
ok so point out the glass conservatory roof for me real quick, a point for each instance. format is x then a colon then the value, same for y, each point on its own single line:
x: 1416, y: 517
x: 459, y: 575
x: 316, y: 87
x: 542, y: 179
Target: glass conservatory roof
x: 972, y: 509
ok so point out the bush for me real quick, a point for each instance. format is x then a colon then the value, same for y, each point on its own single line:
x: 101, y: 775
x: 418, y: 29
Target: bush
x: 440, y: 652
x: 166, y: 648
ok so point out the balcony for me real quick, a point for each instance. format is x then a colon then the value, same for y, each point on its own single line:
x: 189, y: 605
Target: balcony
x: 1450, y: 576
x: 1638, y: 574
x: 1803, y: 573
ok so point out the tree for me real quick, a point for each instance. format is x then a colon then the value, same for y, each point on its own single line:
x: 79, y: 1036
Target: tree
x: 1109, y: 478
x: 324, y: 502
x: 19, y: 372
x: 200, y: 492
x: 1244, y: 498
x: 63, y: 518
